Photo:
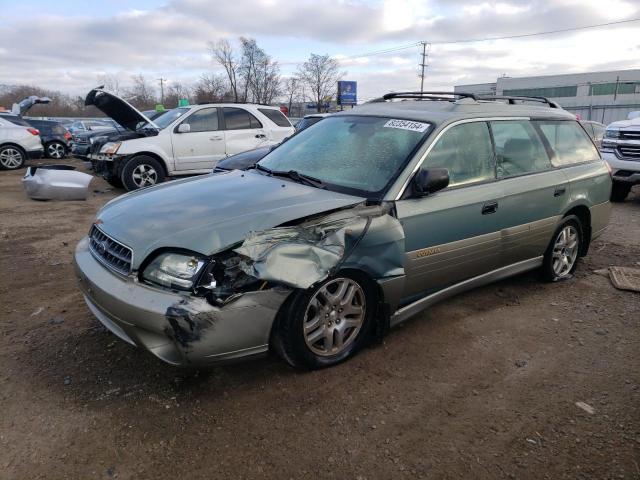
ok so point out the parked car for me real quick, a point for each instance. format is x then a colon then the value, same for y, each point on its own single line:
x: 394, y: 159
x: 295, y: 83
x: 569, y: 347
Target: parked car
x: 621, y: 150
x: 309, y: 120
x: 347, y: 228
x: 185, y: 141
x: 17, y: 144
x: 82, y: 141
x: 79, y: 126
x: 595, y: 130
x: 56, y: 139
x: 245, y: 160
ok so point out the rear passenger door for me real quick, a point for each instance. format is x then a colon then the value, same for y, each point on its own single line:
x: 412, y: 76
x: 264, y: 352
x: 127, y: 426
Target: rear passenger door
x: 534, y: 194
x: 454, y: 234
x: 243, y: 131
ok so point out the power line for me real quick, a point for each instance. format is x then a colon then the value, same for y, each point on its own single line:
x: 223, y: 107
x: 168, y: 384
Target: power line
x: 484, y: 39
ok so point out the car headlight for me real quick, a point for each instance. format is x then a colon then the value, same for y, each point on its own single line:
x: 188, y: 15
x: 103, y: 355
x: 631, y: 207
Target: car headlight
x: 174, y: 270
x: 91, y: 140
x: 612, y: 133
x: 110, y: 148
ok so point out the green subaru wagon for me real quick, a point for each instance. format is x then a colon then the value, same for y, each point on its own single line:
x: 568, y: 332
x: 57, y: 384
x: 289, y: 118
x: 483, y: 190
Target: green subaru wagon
x: 347, y: 229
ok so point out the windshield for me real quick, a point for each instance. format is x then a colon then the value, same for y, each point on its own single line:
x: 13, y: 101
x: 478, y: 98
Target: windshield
x: 167, y: 118
x: 353, y: 154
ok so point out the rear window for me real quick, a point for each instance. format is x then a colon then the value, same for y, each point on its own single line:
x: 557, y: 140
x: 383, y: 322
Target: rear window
x: 519, y: 149
x: 276, y: 116
x: 17, y: 121
x: 569, y: 143
x: 239, y: 119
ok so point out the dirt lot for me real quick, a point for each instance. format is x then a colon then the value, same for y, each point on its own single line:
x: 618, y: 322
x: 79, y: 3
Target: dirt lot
x: 482, y: 386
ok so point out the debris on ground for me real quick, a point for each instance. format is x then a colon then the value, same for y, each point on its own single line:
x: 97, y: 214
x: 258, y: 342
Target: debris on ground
x: 625, y: 278
x: 586, y: 407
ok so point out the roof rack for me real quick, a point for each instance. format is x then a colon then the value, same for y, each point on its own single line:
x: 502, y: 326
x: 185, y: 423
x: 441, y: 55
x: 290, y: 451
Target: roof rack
x: 437, y: 96
x: 511, y: 100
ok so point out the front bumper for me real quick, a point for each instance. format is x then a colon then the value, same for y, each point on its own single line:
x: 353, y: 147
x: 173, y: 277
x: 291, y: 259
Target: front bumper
x: 623, y: 170
x: 178, y: 328
x: 80, y: 151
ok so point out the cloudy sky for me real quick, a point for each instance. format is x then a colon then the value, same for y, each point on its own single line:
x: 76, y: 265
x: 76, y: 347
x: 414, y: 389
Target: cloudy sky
x: 67, y: 44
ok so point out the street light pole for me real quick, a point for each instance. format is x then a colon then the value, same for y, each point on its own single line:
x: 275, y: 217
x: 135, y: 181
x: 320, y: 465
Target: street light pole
x: 162, y: 80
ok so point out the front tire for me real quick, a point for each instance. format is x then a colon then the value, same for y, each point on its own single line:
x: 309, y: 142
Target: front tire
x: 561, y: 258
x: 55, y: 150
x: 326, y: 324
x: 140, y: 172
x: 11, y: 158
x: 619, y: 191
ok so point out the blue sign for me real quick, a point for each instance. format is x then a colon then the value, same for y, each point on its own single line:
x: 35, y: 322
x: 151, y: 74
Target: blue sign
x: 347, y: 93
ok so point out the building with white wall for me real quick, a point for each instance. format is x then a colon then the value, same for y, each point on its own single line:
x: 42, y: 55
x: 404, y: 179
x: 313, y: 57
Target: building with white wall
x: 601, y: 96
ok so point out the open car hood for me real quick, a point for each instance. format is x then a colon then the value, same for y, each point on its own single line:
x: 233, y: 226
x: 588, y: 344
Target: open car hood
x: 24, y: 105
x: 116, y: 108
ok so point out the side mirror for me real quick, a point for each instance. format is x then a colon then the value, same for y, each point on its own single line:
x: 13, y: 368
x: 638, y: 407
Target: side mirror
x: 184, y: 128
x: 428, y: 181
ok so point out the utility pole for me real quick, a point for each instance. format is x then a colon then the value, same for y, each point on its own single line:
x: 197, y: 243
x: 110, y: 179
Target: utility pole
x: 162, y: 80
x: 423, y: 64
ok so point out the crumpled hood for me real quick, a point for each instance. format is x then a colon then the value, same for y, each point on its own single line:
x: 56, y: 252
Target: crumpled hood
x: 116, y: 108
x: 210, y: 213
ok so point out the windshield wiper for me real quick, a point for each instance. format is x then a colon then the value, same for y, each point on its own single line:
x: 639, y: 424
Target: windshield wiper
x: 264, y: 169
x: 300, y: 178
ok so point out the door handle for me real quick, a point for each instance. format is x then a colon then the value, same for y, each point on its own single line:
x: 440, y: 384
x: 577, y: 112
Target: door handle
x: 215, y: 138
x: 559, y: 191
x: 489, y: 207
x: 261, y: 135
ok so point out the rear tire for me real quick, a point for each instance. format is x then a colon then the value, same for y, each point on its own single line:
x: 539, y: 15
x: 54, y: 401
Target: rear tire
x: 327, y: 324
x: 140, y: 172
x: 11, y: 158
x: 561, y: 258
x: 619, y: 191
x: 56, y: 150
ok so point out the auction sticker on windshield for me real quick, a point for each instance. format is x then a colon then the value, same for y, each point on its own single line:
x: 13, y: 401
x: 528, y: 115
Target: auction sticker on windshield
x: 407, y: 125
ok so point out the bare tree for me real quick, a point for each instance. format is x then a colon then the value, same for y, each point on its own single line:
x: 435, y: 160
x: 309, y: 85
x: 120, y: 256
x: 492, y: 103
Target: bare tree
x: 111, y: 83
x: 141, y: 94
x: 291, y: 88
x: 222, y: 53
x: 210, y: 88
x: 175, y: 93
x: 320, y: 73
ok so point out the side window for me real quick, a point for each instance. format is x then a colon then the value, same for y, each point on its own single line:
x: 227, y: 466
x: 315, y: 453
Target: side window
x: 205, y: 120
x: 598, y: 133
x: 519, y: 149
x: 465, y: 150
x: 569, y: 142
x: 239, y: 119
x: 276, y: 116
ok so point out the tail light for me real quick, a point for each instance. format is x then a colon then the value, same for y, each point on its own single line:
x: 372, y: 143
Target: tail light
x: 33, y: 131
x: 67, y: 136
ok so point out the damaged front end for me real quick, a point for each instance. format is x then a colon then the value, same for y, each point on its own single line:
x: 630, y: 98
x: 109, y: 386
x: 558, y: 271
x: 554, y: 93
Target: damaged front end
x: 226, y: 310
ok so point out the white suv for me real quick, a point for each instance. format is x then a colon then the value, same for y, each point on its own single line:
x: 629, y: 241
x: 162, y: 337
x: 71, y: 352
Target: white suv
x: 182, y: 141
x: 17, y: 143
x: 621, y: 149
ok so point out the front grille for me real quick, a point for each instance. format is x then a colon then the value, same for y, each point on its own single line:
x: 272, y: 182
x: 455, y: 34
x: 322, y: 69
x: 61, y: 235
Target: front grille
x: 629, y: 151
x: 113, y: 254
x: 630, y: 134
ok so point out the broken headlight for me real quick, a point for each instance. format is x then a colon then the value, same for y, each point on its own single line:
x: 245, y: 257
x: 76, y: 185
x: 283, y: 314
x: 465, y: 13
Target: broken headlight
x: 110, y: 148
x: 177, y: 271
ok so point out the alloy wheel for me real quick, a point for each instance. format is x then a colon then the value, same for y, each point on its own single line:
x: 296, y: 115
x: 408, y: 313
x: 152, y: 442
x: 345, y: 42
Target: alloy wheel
x: 565, y: 251
x: 144, y: 175
x: 10, y: 158
x: 334, y: 317
x: 56, y: 150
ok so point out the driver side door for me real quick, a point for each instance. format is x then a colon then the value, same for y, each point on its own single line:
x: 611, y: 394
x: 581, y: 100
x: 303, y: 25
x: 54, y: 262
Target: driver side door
x: 203, y: 145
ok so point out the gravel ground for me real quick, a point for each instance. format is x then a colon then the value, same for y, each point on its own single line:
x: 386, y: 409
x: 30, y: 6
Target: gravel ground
x: 484, y: 385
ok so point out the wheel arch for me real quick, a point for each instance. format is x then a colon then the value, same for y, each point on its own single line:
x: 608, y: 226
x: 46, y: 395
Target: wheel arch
x: 15, y: 145
x: 584, y: 215
x: 153, y: 155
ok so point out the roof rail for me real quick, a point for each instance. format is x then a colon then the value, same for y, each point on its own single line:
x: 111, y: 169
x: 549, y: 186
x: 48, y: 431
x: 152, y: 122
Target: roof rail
x: 511, y: 100
x: 446, y: 96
